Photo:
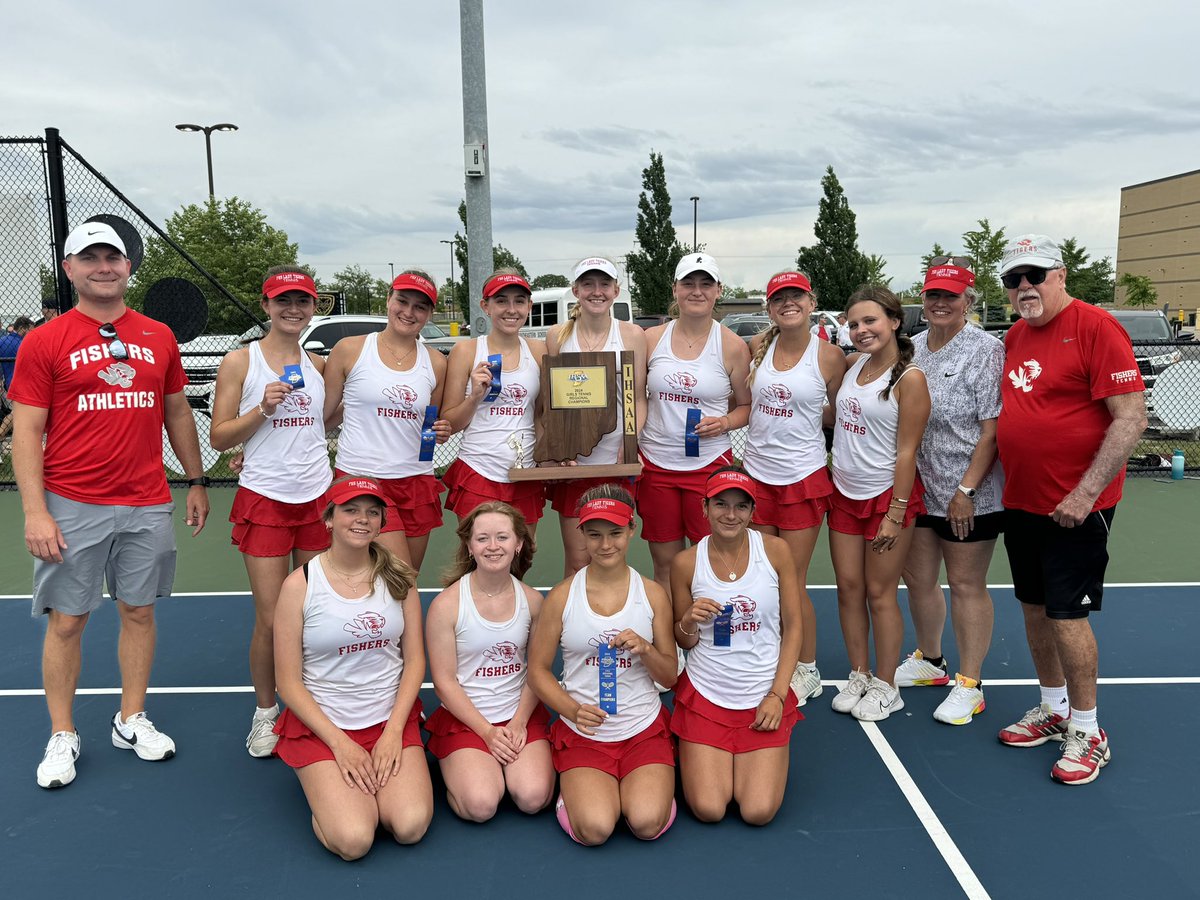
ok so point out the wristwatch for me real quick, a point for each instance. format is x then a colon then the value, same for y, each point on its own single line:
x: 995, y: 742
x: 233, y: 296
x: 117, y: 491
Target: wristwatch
x: 202, y: 481
x: 970, y: 492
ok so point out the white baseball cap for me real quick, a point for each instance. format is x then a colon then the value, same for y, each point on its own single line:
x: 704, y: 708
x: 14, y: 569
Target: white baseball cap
x: 89, y: 234
x: 1031, y: 250
x: 697, y: 262
x: 594, y: 264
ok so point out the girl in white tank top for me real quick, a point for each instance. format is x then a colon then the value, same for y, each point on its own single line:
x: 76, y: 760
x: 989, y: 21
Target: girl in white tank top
x: 737, y: 611
x: 276, y: 513
x: 882, y: 408
x: 489, y: 734
x: 607, y: 615
x: 499, y: 431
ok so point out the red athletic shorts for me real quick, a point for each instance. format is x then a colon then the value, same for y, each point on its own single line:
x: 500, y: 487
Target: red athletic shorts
x: 863, y: 517
x: 700, y: 721
x: 414, y: 505
x: 671, y: 503
x: 653, y: 745
x: 794, y: 507
x: 266, y: 527
x: 299, y: 746
x: 447, y: 733
x: 468, y: 489
x: 565, y: 495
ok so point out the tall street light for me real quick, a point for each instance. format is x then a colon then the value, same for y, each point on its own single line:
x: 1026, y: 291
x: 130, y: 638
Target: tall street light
x: 392, y: 269
x: 695, y: 218
x: 451, y: 243
x: 208, y: 130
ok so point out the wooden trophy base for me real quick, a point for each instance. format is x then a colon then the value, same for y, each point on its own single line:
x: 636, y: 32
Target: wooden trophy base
x: 571, y: 473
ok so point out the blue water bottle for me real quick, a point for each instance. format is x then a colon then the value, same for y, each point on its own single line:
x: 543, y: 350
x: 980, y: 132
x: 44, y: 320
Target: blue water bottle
x: 1177, y: 466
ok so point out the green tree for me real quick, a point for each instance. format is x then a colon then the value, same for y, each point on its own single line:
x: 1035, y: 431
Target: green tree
x: 364, y: 292
x: 49, y: 287
x: 651, y: 267
x: 876, y: 273
x: 915, y: 289
x: 834, y: 265
x: 1089, y: 280
x: 233, y: 242
x: 550, y: 280
x: 1139, y: 290
x: 985, y: 248
x: 502, y: 258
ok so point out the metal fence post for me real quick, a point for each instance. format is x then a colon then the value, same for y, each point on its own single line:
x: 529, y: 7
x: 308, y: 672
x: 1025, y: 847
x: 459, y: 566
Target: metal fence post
x: 58, y: 214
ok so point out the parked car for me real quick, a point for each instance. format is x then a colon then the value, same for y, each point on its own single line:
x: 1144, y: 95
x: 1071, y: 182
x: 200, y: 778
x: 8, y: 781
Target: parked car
x: 747, y: 325
x: 650, y: 321
x: 828, y: 318
x: 325, y: 331
x: 437, y: 338
x: 1154, y: 343
x: 201, y: 358
x: 914, y: 319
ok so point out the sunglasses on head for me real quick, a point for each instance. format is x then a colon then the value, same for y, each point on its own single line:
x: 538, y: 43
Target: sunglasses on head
x: 1034, y: 275
x: 961, y: 261
x: 116, y: 348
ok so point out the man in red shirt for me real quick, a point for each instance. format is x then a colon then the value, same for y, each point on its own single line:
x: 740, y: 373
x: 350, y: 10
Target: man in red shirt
x: 98, y: 384
x: 1073, y: 409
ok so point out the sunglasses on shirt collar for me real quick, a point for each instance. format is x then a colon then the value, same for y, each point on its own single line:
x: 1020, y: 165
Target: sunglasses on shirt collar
x: 116, y: 347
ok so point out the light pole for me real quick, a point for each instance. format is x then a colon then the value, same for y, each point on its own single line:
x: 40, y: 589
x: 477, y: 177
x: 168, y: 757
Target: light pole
x: 695, y: 219
x: 392, y: 268
x: 208, y: 130
x: 451, y: 243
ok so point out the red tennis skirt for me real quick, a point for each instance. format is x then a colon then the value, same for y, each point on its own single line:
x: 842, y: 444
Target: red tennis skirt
x: 266, y: 527
x: 447, y: 733
x: 794, y: 507
x: 299, y: 746
x: 652, y: 745
x: 468, y: 489
x: 698, y: 720
x: 863, y: 517
x: 414, y: 504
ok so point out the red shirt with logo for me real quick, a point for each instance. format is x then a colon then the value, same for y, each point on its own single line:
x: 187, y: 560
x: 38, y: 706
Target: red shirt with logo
x: 1053, y: 416
x: 105, y: 422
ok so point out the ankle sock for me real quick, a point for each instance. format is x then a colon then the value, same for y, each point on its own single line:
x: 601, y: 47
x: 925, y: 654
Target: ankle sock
x: 267, y: 713
x: 1084, y: 720
x: 1056, y: 699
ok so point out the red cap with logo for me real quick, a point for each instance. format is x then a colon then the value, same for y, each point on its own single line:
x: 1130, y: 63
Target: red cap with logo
x: 410, y: 281
x: 282, y: 282
x: 615, y: 511
x: 783, y: 280
x: 949, y: 278
x: 730, y: 480
x: 497, y: 283
x: 345, y: 489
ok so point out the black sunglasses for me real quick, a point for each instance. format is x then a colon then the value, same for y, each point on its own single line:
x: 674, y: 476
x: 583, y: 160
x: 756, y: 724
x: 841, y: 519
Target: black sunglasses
x: 961, y: 261
x: 116, y: 348
x: 1034, y: 275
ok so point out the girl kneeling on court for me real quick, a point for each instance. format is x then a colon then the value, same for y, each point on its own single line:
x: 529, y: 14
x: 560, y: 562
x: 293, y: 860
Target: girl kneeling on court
x: 490, y: 734
x: 612, y: 746
x: 349, y: 660
x: 737, y: 610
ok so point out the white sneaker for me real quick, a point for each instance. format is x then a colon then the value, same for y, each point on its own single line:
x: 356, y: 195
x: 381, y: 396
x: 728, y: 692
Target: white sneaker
x: 138, y: 734
x: 806, y: 683
x: 261, y: 740
x: 879, y: 702
x: 57, y: 768
x: 847, y: 698
x: 917, y: 671
x: 960, y: 704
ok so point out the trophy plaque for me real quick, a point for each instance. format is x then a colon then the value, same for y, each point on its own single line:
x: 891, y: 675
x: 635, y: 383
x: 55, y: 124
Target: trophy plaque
x: 579, y: 395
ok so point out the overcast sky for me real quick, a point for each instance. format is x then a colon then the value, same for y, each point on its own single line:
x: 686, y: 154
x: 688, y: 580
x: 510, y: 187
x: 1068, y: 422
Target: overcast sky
x: 1033, y: 115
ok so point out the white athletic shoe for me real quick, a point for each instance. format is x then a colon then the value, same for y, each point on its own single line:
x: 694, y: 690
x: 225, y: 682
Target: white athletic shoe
x: 806, y: 683
x: 261, y: 740
x: 917, y: 671
x: 847, y: 698
x: 57, y: 768
x: 879, y: 702
x: 961, y: 704
x: 139, y: 735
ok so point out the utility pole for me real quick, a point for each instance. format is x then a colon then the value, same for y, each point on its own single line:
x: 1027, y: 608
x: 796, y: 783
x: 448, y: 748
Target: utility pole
x: 475, y: 146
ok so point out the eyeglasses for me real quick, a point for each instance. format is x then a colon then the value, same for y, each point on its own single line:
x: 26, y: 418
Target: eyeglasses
x: 1034, y: 275
x: 116, y: 347
x: 961, y: 261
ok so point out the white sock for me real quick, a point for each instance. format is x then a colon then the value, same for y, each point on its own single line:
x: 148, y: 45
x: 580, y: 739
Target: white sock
x: 1056, y: 699
x: 812, y: 666
x: 269, y: 713
x: 1084, y: 720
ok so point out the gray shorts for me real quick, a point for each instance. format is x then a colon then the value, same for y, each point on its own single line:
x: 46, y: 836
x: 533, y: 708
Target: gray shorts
x: 132, y: 548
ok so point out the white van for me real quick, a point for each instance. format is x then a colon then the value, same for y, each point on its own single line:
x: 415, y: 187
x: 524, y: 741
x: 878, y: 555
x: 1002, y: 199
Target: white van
x: 553, y: 306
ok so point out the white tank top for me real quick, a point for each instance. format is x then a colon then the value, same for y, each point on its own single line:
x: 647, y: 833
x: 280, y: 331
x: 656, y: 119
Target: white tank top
x: 352, y: 655
x: 583, y: 633
x: 500, y: 435
x: 784, y: 443
x: 864, y: 434
x: 491, y: 655
x: 384, y: 411
x: 286, y: 459
x: 609, y: 448
x: 673, y: 385
x: 738, y: 676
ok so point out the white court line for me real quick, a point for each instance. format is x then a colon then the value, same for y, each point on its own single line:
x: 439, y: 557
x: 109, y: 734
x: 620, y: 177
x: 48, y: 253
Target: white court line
x: 428, y: 686
x: 967, y: 880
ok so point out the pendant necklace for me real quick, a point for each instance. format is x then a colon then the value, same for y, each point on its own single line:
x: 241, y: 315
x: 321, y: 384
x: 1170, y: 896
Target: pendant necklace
x: 721, y: 556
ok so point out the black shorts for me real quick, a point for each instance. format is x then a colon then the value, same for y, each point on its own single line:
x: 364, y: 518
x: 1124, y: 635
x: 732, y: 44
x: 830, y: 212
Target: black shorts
x: 988, y: 527
x: 1059, y: 568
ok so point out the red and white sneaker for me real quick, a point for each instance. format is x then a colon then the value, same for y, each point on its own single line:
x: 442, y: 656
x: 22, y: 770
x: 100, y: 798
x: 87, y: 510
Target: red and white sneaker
x: 1083, y: 756
x: 1035, y: 728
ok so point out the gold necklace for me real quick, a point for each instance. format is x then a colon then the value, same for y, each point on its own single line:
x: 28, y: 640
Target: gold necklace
x: 399, y: 360
x: 493, y: 594
x: 579, y: 340
x: 732, y: 572
x: 871, y: 375
x: 359, y: 578
x: 691, y: 344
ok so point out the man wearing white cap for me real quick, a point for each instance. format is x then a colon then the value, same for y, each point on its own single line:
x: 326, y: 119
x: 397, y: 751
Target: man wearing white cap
x: 1071, y: 386
x: 98, y: 383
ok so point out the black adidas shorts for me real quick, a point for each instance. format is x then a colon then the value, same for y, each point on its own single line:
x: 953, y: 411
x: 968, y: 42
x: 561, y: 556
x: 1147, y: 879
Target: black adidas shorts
x: 1059, y: 568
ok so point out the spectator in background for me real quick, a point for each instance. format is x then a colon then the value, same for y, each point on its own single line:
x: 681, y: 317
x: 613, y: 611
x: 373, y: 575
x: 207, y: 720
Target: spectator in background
x: 49, y: 310
x: 20, y: 327
x: 843, y: 333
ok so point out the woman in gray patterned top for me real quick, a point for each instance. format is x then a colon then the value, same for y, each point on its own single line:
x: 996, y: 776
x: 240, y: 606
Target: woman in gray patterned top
x: 963, y: 482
